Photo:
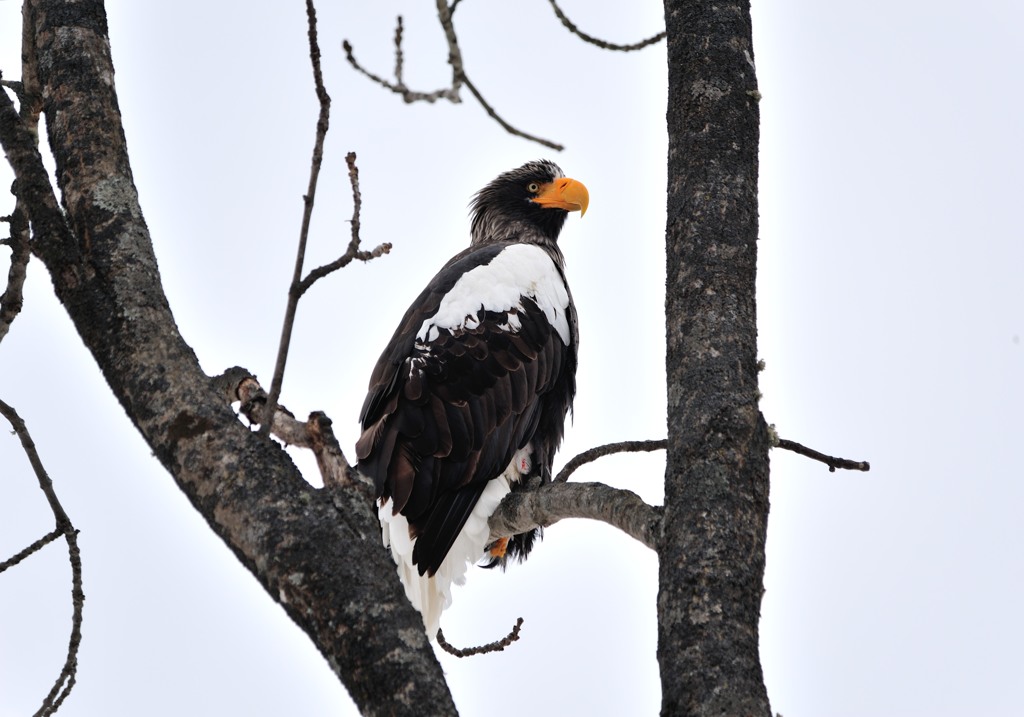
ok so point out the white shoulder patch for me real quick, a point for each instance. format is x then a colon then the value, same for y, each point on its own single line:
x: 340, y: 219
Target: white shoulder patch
x: 520, y: 270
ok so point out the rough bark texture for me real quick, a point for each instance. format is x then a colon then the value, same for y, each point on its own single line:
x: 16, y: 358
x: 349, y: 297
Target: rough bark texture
x: 318, y: 554
x: 716, y: 493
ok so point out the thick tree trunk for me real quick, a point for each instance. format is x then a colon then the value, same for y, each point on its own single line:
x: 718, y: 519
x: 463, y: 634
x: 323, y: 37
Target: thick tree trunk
x: 322, y: 562
x: 716, y: 493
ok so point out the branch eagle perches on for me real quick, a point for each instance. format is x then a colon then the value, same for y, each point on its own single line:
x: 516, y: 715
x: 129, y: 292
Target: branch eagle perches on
x: 519, y: 512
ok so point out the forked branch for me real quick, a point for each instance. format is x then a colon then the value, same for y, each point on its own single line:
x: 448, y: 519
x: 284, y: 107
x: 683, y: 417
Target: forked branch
x: 459, y: 76
x: 300, y: 285
x: 66, y: 679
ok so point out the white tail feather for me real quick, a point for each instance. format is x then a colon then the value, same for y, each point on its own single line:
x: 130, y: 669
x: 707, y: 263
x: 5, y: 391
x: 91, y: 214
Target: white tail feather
x: 432, y: 595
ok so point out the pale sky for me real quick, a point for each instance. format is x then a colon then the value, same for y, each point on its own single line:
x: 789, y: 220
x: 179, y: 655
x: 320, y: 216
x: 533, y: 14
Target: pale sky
x: 891, y: 311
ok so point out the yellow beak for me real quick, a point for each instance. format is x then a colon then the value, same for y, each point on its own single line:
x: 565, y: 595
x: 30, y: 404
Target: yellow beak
x: 565, y: 193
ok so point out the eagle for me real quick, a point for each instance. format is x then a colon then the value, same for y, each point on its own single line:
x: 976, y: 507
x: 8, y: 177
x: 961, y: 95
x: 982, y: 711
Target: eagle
x: 469, y: 398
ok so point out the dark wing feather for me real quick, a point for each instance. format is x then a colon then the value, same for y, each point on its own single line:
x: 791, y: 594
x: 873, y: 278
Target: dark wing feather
x: 443, y: 418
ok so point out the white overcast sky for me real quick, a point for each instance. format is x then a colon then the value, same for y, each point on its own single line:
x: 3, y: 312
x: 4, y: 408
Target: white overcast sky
x: 891, y: 306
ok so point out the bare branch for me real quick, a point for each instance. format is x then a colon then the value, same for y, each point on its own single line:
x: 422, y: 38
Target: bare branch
x: 398, y: 86
x: 831, y: 461
x: 601, y: 43
x: 300, y: 285
x: 444, y: 14
x: 398, y: 50
x: 66, y: 679
x: 525, y: 510
x: 606, y: 450
x: 314, y: 173
x: 26, y: 552
x: 508, y: 128
x: 497, y: 646
x: 459, y: 76
x: 353, y: 251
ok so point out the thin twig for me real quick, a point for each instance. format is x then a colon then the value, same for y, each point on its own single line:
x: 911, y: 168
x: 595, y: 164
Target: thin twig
x: 831, y: 461
x: 398, y: 86
x: 66, y: 679
x: 322, y: 124
x: 398, y: 51
x: 609, y: 448
x: 508, y: 128
x: 497, y: 646
x: 602, y: 43
x: 353, y: 251
x: 37, y: 545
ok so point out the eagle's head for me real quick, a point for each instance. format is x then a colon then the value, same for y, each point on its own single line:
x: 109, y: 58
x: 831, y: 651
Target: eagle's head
x: 527, y: 204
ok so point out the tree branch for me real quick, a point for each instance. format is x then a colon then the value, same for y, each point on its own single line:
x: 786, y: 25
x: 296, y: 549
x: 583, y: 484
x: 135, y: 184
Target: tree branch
x: 508, y: 128
x: 323, y: 121
x: 831, y: 461
x: 459, y: 76
x: 398, y: 86
x: 32, y: 548
x: 65, y: 681
x: 608, y: 449
x: 601, y: 43
x: 496, y: 646
x: 300, y: 285
x: 524, y: 510
x: 353, y: 251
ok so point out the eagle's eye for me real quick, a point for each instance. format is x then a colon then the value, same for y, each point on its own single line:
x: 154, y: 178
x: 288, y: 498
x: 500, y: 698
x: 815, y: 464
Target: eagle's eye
x: 533, y: 187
